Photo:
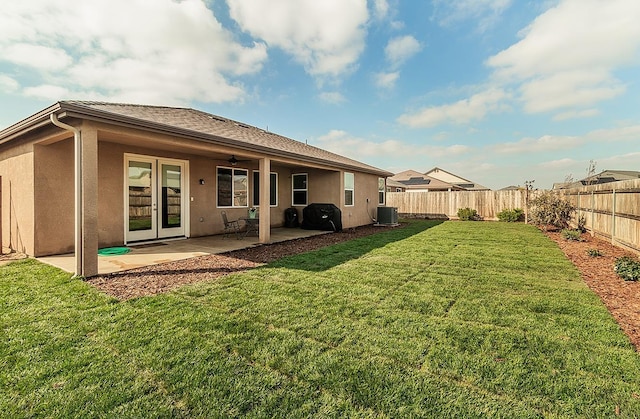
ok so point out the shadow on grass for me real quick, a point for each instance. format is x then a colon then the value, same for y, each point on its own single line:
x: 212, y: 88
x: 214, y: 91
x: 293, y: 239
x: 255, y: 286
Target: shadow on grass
x: 334, y: 255
x: 158, y: 279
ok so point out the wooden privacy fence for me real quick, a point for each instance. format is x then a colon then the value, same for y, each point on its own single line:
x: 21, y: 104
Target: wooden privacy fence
x: 445, y: 204
x: 610, y: 210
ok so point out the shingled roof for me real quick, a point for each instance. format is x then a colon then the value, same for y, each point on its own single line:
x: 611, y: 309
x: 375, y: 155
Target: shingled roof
x: 193, y: 124
x: 412, y: 179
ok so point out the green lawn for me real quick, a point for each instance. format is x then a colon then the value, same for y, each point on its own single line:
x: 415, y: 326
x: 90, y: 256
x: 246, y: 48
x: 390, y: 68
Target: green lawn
x: 455, y: 319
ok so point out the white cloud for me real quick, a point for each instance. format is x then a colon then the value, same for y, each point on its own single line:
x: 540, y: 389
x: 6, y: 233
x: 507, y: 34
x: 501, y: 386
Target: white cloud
x: 586, y: 113
x: 461, y: 112
x: 565, y: 62
x: 623, y: 133
x: 380, y: 9
x: 47, y: 92
x: 628, y: 161
x: 558, y: 164
x: 568, y: 54
x: 560, y: 142
x: 485, y: 13
x: 326, y: 37
x: 167, y: 52
x: 343, y: 143
x: 8, y: 84
x: 568, y: 90
x: 400, y: 49
x: 536, y: 145
x: 386, y: 80
x: 332, y: 97
x: 37, y: 56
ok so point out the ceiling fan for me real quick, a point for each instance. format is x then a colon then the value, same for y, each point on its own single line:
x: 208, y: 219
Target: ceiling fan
x: 233, y: 161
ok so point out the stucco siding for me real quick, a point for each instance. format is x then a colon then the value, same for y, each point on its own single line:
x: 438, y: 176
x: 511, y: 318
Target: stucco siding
x: 16, y: 169
x: 54, y: 198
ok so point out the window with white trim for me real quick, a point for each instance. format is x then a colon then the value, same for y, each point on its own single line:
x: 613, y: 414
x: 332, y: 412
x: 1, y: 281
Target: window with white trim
x: 273, y: 193
x: 232, y: 186
x: 299, y: 188
x: 381, y: 189
x: 349, y: 188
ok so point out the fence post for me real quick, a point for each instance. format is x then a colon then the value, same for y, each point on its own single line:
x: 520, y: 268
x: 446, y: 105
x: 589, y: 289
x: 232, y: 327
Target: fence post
x: 592, y: 213
x: 578, y: 207
x: 613, y: 217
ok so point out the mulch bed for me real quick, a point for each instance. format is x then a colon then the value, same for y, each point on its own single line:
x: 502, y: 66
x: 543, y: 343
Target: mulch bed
x: 622, y: 298
x: 156, y: 279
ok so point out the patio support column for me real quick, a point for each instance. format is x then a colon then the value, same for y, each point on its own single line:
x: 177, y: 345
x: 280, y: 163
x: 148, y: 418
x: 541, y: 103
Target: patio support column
x: 265, y: 200
x: 89, y: 162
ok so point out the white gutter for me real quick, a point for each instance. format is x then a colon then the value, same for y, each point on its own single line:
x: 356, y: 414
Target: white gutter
x: 77, y: 147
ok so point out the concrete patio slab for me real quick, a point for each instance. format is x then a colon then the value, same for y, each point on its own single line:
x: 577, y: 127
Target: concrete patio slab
x: 145, y: 254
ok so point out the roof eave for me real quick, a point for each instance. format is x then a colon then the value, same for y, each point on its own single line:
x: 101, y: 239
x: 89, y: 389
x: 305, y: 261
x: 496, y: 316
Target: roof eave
x: 31, y: 123
x: 67, y: 109
x: 98, y: 115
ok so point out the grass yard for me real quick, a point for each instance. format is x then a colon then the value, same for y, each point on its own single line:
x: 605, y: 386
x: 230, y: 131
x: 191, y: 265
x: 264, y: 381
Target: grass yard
x: 435, y: 319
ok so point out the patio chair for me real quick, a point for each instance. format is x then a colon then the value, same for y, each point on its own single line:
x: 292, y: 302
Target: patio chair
x: 230, y: 226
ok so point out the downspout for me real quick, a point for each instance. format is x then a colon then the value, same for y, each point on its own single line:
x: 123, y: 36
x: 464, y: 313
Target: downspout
x: 77, y: 153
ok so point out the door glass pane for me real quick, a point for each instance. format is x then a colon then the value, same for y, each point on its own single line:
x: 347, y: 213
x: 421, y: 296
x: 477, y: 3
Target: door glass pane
x: 171, y: 196
x: 140, y: 196
x: 273, y: 192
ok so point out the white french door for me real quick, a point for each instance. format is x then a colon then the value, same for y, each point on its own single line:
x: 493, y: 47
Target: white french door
x: 155, y: 198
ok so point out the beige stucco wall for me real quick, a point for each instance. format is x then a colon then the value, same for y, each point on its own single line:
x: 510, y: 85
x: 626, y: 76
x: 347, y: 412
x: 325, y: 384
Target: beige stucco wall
x: 327, y: 187
x: 362, y: 212
x: 16, y: 169
x: 205, y: 217
x: 38, y: 189
x: 367, y: 189
x: 54, y: 197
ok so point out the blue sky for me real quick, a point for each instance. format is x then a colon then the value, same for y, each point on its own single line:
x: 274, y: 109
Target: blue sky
x: 497, y: 91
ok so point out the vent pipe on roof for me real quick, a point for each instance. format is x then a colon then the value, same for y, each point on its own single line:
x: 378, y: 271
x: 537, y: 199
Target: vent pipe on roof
x: 77, y: 147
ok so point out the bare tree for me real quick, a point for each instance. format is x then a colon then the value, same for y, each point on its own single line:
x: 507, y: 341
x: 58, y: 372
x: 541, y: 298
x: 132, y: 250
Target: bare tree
x: 591, y: 171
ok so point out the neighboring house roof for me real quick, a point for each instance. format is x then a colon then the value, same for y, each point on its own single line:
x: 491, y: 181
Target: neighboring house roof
x: 395, y: 184
x: 189, y: 123
x: 510, y: 188
x: 454, y: 179
x: 413, y: 180
x: 406, y: 175
x: 606, y: 176
x: 442, y: 180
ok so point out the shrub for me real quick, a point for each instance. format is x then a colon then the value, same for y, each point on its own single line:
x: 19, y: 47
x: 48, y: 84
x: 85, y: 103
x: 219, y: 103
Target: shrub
x: 467, y: 214
x: 582, y: 222
x: 511, y: 216
x: 551, y: 210
x: 574, y: 235
x: 594, y: 253
x: 627, y: 268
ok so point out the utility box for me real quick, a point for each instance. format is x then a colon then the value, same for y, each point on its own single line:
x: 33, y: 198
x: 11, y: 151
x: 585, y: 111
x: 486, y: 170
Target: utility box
x: 387, y: 215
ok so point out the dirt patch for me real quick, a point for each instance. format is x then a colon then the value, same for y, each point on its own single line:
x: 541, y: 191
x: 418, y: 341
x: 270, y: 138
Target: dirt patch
x: 8, y: 256
x: 622, y: 298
